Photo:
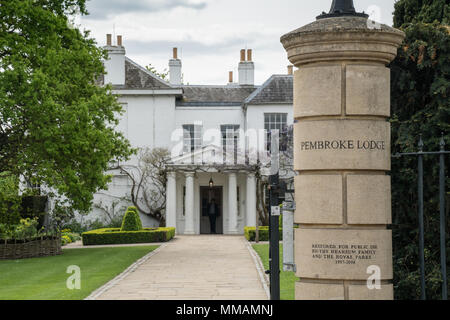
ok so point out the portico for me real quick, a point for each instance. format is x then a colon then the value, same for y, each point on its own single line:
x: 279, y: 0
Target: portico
x: 191, y: 187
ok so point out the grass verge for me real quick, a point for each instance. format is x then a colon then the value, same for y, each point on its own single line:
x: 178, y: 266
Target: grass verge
x: 287, y: 279
x: 45, y: 278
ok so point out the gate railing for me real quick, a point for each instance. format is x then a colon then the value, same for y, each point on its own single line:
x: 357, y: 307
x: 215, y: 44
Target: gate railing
x: 442, y: 153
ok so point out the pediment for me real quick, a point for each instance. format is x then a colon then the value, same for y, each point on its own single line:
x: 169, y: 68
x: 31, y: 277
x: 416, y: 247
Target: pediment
x: 208, y: 155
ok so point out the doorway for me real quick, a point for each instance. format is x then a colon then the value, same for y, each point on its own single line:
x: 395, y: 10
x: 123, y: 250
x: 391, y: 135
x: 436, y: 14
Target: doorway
x: 206, y: 195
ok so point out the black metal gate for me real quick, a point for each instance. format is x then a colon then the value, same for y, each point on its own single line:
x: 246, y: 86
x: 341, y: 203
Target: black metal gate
x: 420, y: 185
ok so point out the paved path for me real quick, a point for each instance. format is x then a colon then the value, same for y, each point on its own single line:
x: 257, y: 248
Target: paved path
x: 194, y: 268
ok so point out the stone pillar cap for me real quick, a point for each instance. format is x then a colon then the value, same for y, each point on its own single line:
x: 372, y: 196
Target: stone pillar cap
x: 342, y: 38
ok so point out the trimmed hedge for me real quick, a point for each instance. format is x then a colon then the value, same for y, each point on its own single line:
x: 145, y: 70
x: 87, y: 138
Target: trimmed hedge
x: 131, y: 221
x: 250, y: 233
x: 115, y: 236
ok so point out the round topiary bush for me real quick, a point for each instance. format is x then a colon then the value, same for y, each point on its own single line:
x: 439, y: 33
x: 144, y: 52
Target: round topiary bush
x: 131, y: 221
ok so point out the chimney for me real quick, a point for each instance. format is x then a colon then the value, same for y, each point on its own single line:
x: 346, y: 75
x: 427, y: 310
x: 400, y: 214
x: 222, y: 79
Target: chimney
x: 115, y: 64
x: 243, y: 55
x: 175, y: 53
x: 246, y: 69
x: 290, y: 70
x: 175, y: 69
x: 230, y: 77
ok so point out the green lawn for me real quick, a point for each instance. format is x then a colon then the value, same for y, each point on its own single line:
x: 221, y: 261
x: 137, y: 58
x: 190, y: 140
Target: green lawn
x: 287, y: 279
x: 45, y: 278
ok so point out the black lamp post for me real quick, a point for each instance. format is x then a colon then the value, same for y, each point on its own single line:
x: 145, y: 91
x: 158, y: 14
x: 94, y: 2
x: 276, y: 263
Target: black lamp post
x: 340, y: 8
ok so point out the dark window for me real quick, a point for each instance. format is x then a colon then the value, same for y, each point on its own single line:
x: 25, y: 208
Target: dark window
x: 230, y: 135
x: 274, y: 121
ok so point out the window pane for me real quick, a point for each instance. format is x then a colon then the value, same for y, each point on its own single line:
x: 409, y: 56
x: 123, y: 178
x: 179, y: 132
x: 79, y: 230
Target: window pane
x: 274, y: 121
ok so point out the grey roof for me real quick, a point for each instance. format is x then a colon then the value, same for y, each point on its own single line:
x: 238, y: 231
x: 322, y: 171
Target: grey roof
x: 278, y: 89
x: 214, y: 95
x: 138, y: 78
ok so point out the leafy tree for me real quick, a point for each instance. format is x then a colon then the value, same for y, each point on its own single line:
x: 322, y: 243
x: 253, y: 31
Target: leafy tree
x: 420, y: 106
x: 426, y: 11
x: 56, y: 124
x: 9, y: 199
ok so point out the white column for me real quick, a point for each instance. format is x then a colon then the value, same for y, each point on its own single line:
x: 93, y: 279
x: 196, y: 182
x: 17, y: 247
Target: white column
x: 288, y: 239
x: 232, y: 204
x: 251, y: 200
x: 171, y: 200
x: 189, y: 204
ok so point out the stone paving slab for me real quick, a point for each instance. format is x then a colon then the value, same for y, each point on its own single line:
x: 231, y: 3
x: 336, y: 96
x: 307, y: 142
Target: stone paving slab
x: 194, y: 268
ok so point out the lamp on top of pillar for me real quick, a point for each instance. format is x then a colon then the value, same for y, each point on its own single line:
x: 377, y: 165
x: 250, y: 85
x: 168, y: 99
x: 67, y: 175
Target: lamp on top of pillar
x: 341, y: 8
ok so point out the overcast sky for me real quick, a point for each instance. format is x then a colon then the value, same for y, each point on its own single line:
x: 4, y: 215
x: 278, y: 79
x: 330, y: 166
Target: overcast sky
x: 210, y: 33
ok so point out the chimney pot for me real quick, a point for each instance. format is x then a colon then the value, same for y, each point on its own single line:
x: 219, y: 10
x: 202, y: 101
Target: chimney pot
x: 175, y: 53
x: 119, y: 41
x: 230, y: 77
x: 249, y: 54
x: 243, y: 55
x: 290, y: 70
x: 108, y: 39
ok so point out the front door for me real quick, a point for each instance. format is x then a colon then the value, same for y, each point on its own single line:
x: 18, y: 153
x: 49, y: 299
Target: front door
x: 207, y: 194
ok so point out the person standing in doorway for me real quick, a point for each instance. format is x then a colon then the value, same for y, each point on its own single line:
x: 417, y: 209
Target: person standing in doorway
x: 213, y: 212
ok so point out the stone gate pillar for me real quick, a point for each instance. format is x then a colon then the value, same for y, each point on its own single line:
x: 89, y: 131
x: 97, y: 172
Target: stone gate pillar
x: 342, y: 155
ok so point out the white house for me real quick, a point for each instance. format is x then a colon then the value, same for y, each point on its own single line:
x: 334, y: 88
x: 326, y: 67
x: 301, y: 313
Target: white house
x: 214, y: 133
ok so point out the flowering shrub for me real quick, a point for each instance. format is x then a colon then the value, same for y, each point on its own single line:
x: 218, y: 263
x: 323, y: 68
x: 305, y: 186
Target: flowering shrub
x: 26, y: 229
x: 65, y: 240
x: 67, y: 236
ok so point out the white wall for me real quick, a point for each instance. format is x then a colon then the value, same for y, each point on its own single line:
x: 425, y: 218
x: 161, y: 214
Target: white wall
x: 209, y: 117
x: 255, y: 114
x: 149, y: 120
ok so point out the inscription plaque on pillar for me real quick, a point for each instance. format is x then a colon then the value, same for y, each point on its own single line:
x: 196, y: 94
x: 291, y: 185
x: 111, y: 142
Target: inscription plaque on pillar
x: 343, y: 254
x: 342, y: 144
x: 342, y: 154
